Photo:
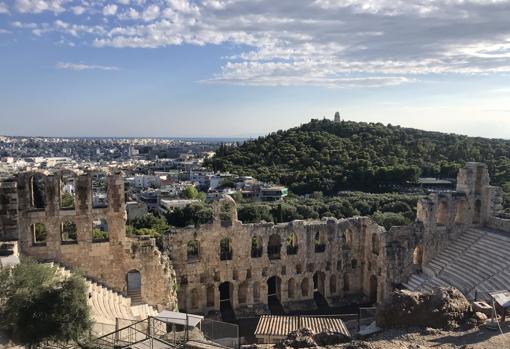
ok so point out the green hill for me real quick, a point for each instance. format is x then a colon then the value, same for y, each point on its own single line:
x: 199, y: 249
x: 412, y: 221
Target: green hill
x: 328, y: 156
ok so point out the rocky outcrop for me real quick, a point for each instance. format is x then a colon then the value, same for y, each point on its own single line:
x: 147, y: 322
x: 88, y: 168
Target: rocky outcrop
x: 442, y: 308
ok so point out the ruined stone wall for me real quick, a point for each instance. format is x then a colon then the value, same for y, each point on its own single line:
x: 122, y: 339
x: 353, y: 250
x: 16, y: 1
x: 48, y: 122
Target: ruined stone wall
x: 447, y: 215
x: 345, y: 257
x: 8, y: 211
x: 107, y: 259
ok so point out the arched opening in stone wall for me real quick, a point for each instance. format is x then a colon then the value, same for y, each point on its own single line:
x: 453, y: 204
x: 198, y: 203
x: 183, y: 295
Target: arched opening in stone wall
x: 339, y: 265
x: 194, y: 298
x: 291, y: 288
x: 38, y: 191
x: 354, y: 263
x: 274, y: 287
x: 292, y: 244
x: 274, y: 247
x: 256, y: 247
x: 274, y: 284
x: 477, y: 212
x: 305, y: 287
x: 332, y: 284
x: 319, y: 242
x: 100, y: 230
x: 318, y: 282
x: 375, y: 244
x: 210, y: 295
x: 39, y: 234
x: 226, y: 290
x: 134, y: 286
x: 256, y: 292
x: 373, y: 288
x: 442, y: 213
x: 347, y: 283
x: 242, y: 292
x: 193, y: 250
x: 299, y: 268
x: 67, y: 190
x: 99, y: 190
x: 418, y: 256
x: 225, y: 249
x: 68, y: 232
x: 461, y: 212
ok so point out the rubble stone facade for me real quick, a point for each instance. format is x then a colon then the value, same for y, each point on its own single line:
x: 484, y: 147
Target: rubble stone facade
x: 66, y: 234
x: 244, y: 266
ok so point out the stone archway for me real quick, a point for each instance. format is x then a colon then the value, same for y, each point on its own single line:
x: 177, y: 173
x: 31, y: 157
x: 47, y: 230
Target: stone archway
x: 418, y: 257
x: 373, y: 289
x: 225, y: 200
x: 134, y: 286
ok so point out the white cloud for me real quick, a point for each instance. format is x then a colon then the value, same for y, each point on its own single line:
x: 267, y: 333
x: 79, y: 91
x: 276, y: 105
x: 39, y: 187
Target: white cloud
x: 3, y: 8
x: 78, y: 10
x: 150, y: 13
x: 323, y: 42
x: 82, y: 66
x: 38, y: 6
x: 110, y: 10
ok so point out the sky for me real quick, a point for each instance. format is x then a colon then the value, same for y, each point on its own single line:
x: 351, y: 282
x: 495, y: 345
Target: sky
x: 243, y: 68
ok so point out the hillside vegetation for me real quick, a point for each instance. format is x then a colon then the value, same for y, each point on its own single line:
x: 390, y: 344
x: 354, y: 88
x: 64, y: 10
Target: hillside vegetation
x: 326, y: 156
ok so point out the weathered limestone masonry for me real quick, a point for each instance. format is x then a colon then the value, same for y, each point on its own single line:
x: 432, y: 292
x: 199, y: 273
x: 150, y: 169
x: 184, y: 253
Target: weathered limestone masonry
x: 248, y: 264
x: 446, y: 215
x: 31, y: 212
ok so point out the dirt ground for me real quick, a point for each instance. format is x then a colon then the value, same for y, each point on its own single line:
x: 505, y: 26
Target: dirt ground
x: 477, y: 338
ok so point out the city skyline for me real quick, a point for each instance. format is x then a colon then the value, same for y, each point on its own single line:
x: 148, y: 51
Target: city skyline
x: 178, y: 68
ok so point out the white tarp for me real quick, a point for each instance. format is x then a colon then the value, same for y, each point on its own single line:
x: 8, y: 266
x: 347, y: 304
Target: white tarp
x: 172, y: 317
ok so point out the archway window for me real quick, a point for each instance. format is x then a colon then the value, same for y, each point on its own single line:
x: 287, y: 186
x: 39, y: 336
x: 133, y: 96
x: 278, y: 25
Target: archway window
x: 373, y: 288
x: 39, y: 233
x: 354, y: 264
x: 273, y: 288
x: 274, y: 247
x: 305, y: 287
x: 38, y: 191
x: 291, y: 288
x: 418, y: 256
x: 318, y: 282
x: 256, y: 247
x: 292, y: 244
x: 460, y: 214
x: 225, y: 249
x: 99, y: 190
x: 100, y: 230
x: 299, y: 268
x: 192, y: 250
x: 477, y: 213
x: 375, y: 244
x: 339, y: 265
x: 67, y: 191
x: 134, y: 284
x: 68, y: 232
x: 242, y: 292
x: 319, y: 243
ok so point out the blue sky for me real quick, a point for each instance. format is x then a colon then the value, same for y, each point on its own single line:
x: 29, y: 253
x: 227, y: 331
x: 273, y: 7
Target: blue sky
x: 248, y: 67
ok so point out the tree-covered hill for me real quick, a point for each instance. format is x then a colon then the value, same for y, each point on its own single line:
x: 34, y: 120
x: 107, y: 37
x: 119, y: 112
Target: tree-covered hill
x: 328, y: 156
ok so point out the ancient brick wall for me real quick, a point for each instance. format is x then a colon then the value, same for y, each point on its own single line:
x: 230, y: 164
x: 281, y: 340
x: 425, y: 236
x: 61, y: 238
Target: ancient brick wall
x: 49, y: 231
x: 341, y: 259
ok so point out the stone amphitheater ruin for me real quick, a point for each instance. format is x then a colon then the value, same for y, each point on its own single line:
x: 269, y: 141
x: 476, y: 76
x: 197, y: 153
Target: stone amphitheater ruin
x: 457, y: 240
